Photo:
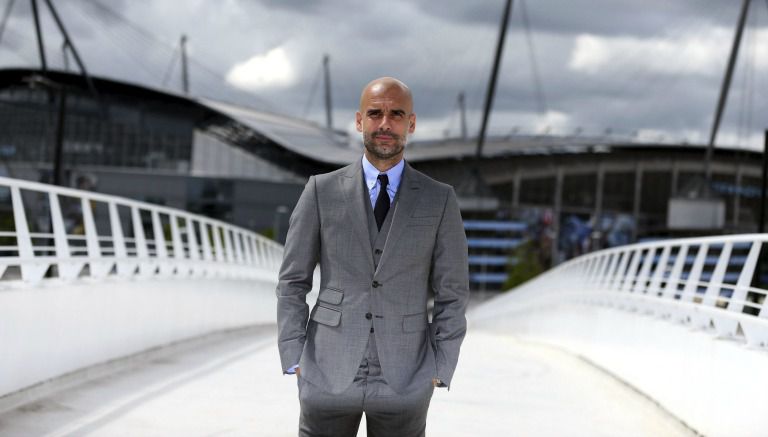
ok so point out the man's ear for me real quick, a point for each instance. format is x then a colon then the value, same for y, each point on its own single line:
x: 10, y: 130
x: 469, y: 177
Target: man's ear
x: 411, y: 123
x: 359, y: 121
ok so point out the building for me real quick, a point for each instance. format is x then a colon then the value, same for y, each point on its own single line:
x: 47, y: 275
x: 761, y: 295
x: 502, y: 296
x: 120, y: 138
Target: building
x: 565, y: 195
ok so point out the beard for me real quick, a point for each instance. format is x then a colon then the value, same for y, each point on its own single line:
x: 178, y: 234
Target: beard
x: 381, y: 151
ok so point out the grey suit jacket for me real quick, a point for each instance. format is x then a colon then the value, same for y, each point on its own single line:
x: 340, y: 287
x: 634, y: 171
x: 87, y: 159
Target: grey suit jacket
x: 426, y: 248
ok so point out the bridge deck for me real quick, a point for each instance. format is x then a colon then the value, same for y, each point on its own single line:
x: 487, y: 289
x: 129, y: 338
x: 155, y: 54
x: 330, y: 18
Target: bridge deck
x: 233, y: 387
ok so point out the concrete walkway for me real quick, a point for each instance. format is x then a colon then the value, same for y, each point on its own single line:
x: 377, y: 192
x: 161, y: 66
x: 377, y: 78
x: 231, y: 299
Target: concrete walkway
x: 503, y: 386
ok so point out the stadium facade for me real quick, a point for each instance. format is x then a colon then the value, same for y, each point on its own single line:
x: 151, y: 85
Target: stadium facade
x: 565, y: 195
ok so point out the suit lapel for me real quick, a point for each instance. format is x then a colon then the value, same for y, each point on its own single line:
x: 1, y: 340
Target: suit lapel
x: 356, y: 197
x: 407, y: 199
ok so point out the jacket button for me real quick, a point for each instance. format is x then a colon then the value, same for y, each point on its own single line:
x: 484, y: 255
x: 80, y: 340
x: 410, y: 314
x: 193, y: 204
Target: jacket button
x: 376, y: 284
x: 368, y: 316
x: 371, y: 330
x: 377, y: 251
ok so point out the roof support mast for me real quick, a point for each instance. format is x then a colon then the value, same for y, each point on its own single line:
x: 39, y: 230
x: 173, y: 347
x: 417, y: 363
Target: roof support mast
x: 463, y: 115
x: 327, y: 80
x: 39, y: 33
x: 61, y: 89
x: 724, y: 91
x: 494, y: 75
x: 184, y: 71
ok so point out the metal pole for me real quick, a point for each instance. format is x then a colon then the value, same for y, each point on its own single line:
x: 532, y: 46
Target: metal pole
x: 72, y: 48
x: 554, y: 252
x: 328, y: 105
x: 463, y: 115
x: 58, y: 151
x: 6, y: 14
x: 761, y: 223
x: 184, y: 71
x: 597, y: 230
x: 494, y: 74
x: 724, y: 90
x: 636, y: 200
x: 64, y: 46
x: 41, y: 49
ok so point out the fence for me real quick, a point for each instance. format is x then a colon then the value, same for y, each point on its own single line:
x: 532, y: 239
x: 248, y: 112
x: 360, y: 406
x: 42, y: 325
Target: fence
x: 50, y: 233
x: 709, y: 283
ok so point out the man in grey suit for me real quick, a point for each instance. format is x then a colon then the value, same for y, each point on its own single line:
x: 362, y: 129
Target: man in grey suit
x: 384, y: 235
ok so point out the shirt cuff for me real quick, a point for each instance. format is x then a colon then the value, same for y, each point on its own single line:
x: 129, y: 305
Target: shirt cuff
x: 291, y: 370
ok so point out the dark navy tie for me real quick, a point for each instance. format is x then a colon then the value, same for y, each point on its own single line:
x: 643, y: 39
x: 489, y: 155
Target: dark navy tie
x: 382, y: 202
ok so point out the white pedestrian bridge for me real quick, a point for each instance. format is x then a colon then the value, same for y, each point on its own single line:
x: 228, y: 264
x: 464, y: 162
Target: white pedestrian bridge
x: 122, y: 318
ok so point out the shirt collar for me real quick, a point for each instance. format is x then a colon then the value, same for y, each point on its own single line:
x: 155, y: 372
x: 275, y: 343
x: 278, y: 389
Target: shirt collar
x: 372, y: 174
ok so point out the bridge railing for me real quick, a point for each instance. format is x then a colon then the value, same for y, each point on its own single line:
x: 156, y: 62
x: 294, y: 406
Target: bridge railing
x: 708, y: 283
x: 50, y: 233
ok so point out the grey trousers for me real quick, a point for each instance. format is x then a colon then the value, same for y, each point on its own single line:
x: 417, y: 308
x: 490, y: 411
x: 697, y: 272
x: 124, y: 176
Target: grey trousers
x: 387, y: 414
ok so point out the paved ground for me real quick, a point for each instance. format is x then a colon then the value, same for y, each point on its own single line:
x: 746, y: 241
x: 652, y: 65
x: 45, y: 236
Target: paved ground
x: 234, y: 388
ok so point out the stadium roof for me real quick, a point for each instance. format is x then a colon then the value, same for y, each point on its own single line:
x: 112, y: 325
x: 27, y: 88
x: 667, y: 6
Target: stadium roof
x: 299, y: 136
x: 309, y: 142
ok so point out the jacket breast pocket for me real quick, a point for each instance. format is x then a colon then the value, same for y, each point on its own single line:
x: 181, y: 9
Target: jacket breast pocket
x: 326, y: 316
x: 415, y: 322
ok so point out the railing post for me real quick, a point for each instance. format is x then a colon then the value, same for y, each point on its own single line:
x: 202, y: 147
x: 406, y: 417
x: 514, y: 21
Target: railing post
x: 59, y: 230
x: 249, y: 249
x: 124, y: 268
x: 593, y: 275
x: 178, y: 245
x: 237, y: 244
x: 142, y: 251
x: 739, y: 296
x: 217, y: 244
x: 161, y: 252
x: 692, y: 283
x: 242, y: 240
x: 716, y: 281
x: 229, y: 245
x: 654, y: 288
x: 610, y: 270
x: 68, y: 267
x: 629, y: 278
x: 97, y: 265
x: 32, y: 270
x: 91, y: 236
x: 192, y: 244
x: 621, y: 270
x: 673, y: 282
x: 179, y: 257
x: 258, y: 246
x: 645, y: 271
x: 205, y: 240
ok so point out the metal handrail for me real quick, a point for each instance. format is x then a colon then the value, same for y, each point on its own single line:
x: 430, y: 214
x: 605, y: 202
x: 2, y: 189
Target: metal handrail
x: 671, y: 279
x: 198, y: 246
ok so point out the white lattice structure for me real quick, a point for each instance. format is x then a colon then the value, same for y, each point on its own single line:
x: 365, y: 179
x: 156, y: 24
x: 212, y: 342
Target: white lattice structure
x: 704, y: 282
x: 181, y: 244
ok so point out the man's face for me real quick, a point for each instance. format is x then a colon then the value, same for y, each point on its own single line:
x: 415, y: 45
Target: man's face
x: 385, y: 118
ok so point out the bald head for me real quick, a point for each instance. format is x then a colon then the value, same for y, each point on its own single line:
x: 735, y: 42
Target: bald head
x: 385, y: 119
x: 383, y: 86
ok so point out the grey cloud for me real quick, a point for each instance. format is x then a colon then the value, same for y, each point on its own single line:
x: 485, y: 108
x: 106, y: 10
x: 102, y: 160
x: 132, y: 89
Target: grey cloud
x: 604, y: 17
x: 438, y: 48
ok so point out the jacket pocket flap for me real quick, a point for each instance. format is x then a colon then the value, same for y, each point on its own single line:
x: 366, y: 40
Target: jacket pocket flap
x: 326, y: 316
x: 422, y: 221
x: 415, y: 322
x: 331, y: 296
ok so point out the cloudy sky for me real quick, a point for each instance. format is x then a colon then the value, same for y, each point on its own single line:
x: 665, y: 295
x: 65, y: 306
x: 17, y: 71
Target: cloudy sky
x: 649, y: 69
